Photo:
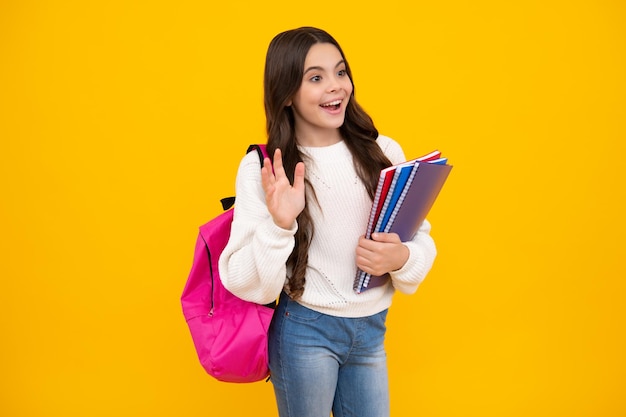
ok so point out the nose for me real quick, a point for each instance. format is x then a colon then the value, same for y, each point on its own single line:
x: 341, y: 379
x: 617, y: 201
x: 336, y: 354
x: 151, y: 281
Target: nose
x: 333, y: 85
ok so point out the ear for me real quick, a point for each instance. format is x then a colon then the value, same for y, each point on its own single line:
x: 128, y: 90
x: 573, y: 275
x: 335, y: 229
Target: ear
x: 289, y: 103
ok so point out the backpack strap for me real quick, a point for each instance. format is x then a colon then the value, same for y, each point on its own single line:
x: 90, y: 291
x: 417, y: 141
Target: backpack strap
x: 228, y: 202
x: 261, y: 150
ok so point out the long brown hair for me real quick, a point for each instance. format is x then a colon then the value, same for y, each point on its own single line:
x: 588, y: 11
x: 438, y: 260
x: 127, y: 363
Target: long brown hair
x: 284, y: 70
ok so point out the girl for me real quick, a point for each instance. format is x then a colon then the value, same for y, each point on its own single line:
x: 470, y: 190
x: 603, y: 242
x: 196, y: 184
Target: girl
x: 298, y: 233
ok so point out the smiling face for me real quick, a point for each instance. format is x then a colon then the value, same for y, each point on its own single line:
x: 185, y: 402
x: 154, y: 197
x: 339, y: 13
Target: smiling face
x: 319, y: 106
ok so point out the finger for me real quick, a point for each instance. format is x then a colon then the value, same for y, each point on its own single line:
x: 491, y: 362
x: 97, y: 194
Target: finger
x: 279, y: 170
x: 367, y: 244
x: 298, y: 176
x: 386, y: 237
x: 366, y: 265
x: 365, y: 248
x: 363, y: 264
x: 267, y: 177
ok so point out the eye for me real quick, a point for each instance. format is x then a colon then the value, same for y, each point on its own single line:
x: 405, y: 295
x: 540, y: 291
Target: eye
x: 342, y: 73
x: 315, y: 78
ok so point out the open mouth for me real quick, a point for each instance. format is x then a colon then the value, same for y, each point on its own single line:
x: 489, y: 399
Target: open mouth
x: 333, y: 105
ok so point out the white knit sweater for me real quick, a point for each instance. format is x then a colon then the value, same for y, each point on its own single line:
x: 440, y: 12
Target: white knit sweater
x: 253, y: 264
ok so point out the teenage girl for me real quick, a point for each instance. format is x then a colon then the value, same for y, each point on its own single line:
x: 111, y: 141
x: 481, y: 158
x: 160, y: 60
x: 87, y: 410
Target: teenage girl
x: 298, y: 229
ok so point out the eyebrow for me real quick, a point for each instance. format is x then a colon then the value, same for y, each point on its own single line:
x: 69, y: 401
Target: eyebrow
x: 343, y: 61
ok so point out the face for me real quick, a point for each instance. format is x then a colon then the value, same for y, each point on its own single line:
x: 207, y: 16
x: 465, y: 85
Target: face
x: 320, y: 104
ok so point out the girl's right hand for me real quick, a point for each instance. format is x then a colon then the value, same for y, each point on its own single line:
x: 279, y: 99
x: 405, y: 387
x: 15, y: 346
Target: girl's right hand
x: 284, y: 201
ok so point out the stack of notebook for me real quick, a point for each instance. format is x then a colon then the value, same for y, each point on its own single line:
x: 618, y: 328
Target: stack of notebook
x: 404, y: 196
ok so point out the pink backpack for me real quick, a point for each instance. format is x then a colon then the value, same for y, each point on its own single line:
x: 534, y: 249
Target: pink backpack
x: 229, y: 334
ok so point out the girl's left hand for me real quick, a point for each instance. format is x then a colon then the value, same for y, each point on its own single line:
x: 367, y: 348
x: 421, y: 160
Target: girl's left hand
x: 381, y: 254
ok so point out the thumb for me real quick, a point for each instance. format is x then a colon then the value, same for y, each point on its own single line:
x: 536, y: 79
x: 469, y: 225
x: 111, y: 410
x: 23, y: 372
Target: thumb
x: 386, y: 237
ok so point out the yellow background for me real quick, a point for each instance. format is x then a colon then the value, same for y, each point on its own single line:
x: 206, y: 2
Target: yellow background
x: 121, y: 126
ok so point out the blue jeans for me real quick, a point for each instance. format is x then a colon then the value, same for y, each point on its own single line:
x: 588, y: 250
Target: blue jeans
x: 320, y: 363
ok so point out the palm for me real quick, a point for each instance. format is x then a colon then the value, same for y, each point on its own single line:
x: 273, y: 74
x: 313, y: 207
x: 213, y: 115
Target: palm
x: 284, y: 201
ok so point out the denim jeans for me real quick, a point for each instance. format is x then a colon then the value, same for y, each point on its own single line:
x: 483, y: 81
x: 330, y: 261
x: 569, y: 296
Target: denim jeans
x: 320, y: 363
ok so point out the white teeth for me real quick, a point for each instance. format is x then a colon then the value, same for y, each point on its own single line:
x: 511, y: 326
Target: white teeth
x: 332, y: 103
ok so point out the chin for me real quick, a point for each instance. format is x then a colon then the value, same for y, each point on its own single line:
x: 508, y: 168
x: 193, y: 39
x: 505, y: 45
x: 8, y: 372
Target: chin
x: 337, y: 122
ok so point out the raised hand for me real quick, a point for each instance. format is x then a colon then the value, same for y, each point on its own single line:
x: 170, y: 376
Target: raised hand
x: 284, y: 201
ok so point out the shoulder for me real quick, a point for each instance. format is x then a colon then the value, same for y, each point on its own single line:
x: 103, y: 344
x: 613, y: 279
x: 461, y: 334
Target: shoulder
x: 250, y: 164
x: 391, y: 149
x: 248, y: 179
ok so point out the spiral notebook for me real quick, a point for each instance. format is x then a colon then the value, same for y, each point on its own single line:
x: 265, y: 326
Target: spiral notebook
x: 404, y: 195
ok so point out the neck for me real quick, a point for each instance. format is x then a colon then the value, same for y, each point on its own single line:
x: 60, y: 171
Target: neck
x: 319, y: 139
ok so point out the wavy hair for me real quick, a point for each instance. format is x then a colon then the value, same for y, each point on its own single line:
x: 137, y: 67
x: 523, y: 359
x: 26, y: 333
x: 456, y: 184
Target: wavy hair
x: 284, y: 71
